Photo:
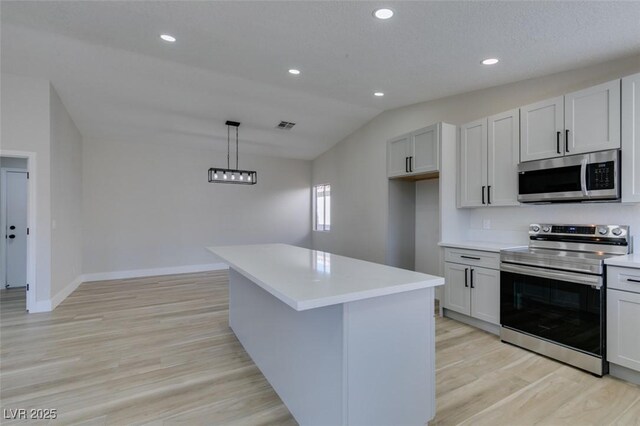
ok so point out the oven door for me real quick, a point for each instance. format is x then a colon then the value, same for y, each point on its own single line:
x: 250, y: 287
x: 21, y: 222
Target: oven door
x: 563, y: 307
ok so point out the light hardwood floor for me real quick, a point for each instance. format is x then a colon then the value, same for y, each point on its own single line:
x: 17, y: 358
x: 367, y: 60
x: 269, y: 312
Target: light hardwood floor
x: 159, y: 350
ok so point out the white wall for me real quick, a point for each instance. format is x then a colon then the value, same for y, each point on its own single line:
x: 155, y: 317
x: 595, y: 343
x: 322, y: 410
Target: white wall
x: 148, y: 205
x: 25, y: 126
x: 356, y: 169
x: 66, y: 200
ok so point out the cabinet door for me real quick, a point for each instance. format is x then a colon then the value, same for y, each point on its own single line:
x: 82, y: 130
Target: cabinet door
x: 473, y: 163
x: 457, y: 292
x: 631, y: 138
x: 592, y: 118
x: 503, y: 153
x: 426, y: 151
x: 623, y: 317
x: 398, y: 153
x: 541, y: 130
x: 485, y: 294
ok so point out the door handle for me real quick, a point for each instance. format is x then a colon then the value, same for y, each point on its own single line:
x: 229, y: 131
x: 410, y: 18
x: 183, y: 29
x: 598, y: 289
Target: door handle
x: 583, y: 177
x: 566, y: 140
x: 483, y: 194
x: 558, y: 143
x: 466, y: 283
x: 471, y: 275
x: 12, y: 236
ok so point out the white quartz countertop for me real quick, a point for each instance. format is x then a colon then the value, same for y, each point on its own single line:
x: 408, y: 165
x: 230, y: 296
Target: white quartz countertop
x: 481, y: 245
x: 628, y: 261
x: 306, y: 279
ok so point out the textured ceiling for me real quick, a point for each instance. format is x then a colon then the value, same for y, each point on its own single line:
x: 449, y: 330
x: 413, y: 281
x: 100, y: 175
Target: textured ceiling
x: 119, y: 81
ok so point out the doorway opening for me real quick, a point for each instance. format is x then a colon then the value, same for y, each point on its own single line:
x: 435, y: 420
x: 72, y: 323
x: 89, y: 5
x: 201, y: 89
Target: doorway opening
x: 17, y: 252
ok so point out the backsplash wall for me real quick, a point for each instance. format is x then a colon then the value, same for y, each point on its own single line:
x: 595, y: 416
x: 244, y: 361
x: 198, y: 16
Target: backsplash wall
x: 510, y: 224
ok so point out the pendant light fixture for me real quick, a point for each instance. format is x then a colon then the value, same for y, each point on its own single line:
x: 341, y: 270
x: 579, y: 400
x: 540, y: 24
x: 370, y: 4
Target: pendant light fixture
x: 229, y: 175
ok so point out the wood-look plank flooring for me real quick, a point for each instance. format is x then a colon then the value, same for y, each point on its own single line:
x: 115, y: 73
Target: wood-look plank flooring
x: 159, y: 351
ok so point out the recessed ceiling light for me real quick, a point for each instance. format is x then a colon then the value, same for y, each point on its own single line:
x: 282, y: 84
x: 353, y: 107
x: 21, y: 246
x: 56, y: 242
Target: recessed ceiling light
x: 167, y: 37
x: 490, y: 61
x: 294, y: 71
x: 379, y: 94
x: 383, y: 13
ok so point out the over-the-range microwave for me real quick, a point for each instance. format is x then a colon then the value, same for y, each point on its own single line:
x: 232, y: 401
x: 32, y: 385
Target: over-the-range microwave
x: 573, y: 178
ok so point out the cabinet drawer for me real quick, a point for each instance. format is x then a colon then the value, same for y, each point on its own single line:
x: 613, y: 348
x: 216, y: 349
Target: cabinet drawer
x: 485, y: 259
x: 627, y: 279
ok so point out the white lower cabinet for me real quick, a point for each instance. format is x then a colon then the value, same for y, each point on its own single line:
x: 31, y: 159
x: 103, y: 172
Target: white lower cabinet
x: 623, y: 317
x: 473, y: 290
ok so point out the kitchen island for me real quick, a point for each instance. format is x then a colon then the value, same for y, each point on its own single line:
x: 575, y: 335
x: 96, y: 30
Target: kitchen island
x: 342, y: 341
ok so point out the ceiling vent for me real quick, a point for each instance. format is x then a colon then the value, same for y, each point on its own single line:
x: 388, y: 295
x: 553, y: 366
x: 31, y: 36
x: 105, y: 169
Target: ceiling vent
x: 285, y: 125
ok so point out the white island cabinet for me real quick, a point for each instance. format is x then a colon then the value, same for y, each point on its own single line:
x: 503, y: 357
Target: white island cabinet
x: 342, y: 341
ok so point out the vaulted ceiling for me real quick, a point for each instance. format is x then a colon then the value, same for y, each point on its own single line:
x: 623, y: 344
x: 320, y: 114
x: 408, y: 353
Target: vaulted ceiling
x: 119, y: 81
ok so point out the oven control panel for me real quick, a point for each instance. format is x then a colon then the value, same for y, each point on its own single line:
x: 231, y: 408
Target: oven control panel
x: 595, y: 231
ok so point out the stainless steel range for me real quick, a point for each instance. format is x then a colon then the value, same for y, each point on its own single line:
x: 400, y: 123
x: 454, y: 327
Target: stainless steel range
x: 552, y: 294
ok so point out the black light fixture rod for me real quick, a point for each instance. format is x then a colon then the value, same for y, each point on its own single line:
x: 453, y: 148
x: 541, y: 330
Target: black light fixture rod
x: 237, y: 149
x: 228, y: 148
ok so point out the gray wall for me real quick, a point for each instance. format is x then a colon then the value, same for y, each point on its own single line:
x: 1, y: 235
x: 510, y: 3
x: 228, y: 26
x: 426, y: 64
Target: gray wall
x: 356, y: 170
x: 25, y: 124
x: 148, y: 205
x: 66, y: 197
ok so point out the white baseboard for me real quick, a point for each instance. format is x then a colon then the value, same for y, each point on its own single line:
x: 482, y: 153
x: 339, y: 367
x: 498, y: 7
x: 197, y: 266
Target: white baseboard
x: 139, y: 273
x: 50, y: 304
x: 65, y: 292
x: 40, y: 306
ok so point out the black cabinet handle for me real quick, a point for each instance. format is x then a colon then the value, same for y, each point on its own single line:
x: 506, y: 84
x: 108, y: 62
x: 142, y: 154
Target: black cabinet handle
x: 566, y: 140
x: 471, y: 274
x: 406, y: 164
x: 489, y: 194
x: 633, y: 281
x: 466, y: 271
x: 469, y: 257
x: 483, y: 194
x: 12, y: 236
x: 12, y: 227
x: 558, y: 143
x: 411, y: 164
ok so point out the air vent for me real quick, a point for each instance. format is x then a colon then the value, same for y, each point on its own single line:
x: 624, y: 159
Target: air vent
x: 285, y: 125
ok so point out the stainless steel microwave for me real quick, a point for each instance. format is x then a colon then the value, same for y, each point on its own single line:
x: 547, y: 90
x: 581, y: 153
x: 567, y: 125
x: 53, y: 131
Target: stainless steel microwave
x: 583, y: 177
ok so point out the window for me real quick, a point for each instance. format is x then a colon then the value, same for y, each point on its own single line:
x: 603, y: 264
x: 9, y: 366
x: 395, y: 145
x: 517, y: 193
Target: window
x: 322, y: 201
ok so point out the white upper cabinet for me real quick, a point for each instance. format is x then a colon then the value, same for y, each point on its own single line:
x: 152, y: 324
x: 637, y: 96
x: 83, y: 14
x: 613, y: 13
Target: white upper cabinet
x: 592, y: 119
x: 503, y: 154
x: 398, y: 153
x: 426, y: 148
x: 473, y: 163
x: 584, y: 121
x: 631, y: 139
x: 414, y: 153
x: 489, y: 153
x: 541, y: 126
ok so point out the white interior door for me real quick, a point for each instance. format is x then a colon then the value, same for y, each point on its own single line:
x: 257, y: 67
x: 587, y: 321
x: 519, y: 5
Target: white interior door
x: 16, y: 229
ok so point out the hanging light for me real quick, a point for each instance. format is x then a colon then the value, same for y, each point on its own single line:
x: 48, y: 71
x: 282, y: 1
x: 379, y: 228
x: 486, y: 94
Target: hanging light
x: 229, y: 175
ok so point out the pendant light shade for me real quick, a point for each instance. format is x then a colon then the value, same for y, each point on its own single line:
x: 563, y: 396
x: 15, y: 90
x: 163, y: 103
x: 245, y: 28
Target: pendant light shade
x: 229, y: 175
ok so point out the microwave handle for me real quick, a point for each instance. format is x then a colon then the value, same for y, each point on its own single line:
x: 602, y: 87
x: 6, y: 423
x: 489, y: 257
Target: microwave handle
x: 583, y: 177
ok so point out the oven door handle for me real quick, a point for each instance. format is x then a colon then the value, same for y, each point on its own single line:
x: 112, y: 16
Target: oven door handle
x: 583, y: 177
x: 572, y: 277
